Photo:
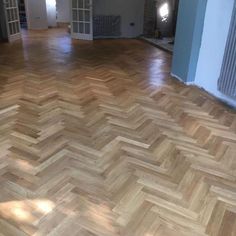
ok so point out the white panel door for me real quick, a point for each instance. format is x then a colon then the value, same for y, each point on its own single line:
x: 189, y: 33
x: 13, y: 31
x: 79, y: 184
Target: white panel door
x: 82, y: 19
x: 12, y: 19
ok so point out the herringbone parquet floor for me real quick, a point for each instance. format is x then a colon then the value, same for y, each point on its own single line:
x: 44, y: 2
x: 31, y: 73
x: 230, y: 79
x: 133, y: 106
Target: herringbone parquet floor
x: 98, y: 140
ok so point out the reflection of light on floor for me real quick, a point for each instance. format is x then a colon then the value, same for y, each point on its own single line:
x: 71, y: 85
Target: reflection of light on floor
x: 23, y: 165
x: 62, y: 45
x: 21, y: 214
x: 25, y: 211
x: 44, y: 206
x: 156, y: 74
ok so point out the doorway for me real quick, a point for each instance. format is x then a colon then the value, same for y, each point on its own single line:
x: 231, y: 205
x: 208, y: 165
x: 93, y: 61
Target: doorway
x: 22, y: 14
x: 160, y: 23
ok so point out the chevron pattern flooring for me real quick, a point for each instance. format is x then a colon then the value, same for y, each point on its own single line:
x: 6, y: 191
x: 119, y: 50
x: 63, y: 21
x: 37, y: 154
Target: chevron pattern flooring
x: 98, y: 140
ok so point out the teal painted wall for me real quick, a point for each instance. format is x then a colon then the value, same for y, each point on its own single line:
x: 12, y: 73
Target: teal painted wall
x: 188, y: 38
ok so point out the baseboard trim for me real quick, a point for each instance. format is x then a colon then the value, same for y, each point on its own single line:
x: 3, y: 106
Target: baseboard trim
x: 207, y: 93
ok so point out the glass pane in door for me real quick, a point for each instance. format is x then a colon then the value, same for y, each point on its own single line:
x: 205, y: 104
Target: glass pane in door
x: 86, y: 4
x: 81, y: 3
x: 87, y: 16
x: 87, y: 28
x: 75, y: 27
x: 74, y: 3
x: 81, y: 15
x: 74, y: 15
x: 81, y: 28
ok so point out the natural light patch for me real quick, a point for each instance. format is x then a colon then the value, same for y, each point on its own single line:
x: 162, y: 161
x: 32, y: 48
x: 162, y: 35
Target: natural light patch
x: 44, y: 206
x: 164, y: 12
x: 26, y: 211
x: 23, y: 165
x: 19, y: 212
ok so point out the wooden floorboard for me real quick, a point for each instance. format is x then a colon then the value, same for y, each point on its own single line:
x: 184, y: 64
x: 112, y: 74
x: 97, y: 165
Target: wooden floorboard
x: 97, y: 139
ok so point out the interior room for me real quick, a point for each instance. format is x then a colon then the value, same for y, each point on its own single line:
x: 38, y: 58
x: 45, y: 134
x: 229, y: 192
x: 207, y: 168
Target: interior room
x: 117, y: 118
x: 160, y: 20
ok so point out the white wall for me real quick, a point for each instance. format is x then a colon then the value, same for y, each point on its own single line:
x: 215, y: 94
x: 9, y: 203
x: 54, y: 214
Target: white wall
x: 129, y: 10
x: 36, y: 14
x: 63, y: 11
x: 215, y: 32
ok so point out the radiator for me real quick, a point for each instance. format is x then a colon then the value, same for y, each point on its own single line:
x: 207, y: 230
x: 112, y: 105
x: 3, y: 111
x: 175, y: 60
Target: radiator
x: 106, y: 26
x: 227, y: 80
